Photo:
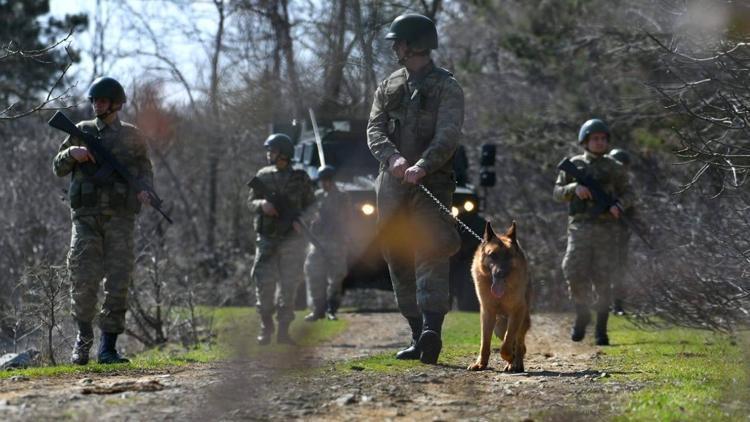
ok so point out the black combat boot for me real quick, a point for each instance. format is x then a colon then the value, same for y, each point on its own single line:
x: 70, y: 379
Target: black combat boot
x: 583, y: 317
x: 107, y: 350
x: 413, y: 352
x: 266, y: 330
x: 333, y: 307
x: 84, y: 341
x: 282, y: 336
x: 601, y: 328
x: 617, y: 308
x: 430, y: 342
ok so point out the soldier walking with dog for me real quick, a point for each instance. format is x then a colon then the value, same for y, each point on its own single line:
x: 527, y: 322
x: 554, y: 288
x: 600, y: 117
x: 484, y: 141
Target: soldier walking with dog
x: 279, y: 245
x: 592, y: 236
x: 103, y: 210
x: 326, y: 268
x: 414, y: 130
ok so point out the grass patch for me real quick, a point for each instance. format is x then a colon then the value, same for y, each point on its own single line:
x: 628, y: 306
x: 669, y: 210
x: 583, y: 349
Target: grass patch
x: 235, y: 329
x: 460, y: 339
x: 690, y: 374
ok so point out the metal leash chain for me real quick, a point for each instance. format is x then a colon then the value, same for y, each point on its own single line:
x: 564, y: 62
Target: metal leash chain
x: 445, y: 209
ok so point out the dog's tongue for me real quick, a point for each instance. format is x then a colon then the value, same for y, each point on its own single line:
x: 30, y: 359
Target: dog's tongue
x: 497, y: 290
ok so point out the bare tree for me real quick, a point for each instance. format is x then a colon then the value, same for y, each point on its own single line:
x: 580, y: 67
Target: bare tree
x: 46, y: 290
x: 56, y: 94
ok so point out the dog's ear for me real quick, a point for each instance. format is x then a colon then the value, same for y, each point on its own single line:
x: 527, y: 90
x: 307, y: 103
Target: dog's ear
x: 511, y: 232
x: 489, y: 234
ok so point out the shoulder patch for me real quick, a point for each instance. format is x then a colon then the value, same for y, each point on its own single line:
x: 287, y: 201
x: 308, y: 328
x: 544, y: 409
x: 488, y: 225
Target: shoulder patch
x: 443, y: 71
x: 129, y: 126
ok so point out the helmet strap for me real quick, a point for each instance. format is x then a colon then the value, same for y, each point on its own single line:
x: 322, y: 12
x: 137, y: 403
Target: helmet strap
x: 109, y: 110
x: 412, y: 53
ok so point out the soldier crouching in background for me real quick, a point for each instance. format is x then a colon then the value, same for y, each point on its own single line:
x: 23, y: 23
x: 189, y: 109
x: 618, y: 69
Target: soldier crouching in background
x: 103, y: 210
x: 279, y: 245
x: 592, y: 238
x: 326, y: 268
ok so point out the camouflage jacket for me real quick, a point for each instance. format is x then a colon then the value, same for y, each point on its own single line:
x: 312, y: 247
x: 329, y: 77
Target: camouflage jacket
x: 418, y: 116
x: 294, y: 184
x: 332, y: 215
x: 610, y: 174
x: 112, y: 195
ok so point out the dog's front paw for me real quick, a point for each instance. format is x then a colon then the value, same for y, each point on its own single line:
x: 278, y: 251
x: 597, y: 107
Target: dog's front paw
x: 514, y: 367
x: 478, y: 366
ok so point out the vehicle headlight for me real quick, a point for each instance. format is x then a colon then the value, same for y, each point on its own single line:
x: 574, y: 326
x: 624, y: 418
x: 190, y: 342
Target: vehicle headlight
x: 454, y: 211
x: 469, y: 206
x: 367, y: 209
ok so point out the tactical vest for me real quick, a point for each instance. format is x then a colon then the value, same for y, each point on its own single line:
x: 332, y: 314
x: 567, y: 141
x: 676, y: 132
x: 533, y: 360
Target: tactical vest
x: 292, y: 185
x: 412, y: 114
x: 91, y: 193
x: 600, y: 170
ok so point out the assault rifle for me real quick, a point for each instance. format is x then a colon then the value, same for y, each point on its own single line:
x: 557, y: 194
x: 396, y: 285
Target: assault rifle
x: 108, y: 162
x: 602, y: 200
x: 288, y: 213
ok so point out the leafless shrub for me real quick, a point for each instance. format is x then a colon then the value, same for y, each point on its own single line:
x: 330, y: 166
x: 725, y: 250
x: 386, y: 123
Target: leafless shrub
x: 45, y: 295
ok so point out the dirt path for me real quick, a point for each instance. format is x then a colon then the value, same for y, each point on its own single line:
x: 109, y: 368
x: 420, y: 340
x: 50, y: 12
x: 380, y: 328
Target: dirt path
x: 560, y: 385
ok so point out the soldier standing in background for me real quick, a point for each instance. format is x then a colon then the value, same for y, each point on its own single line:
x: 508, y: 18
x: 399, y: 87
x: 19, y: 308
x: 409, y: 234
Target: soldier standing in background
x: 279, y: 245
x: 620, y: 279
x: 592, y: 246
x: 325, y: 269
x: 414, y: 130
x: 103, y: 210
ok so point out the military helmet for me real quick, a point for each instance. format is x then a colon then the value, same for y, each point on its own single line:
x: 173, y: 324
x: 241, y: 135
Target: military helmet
x: 326, y: 172
x: 620, y: 155
x: 417, y: 30
x: 106, y: 87
x: 591, y: 126
x: 281, y: 143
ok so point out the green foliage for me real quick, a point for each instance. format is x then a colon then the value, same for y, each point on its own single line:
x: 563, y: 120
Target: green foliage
x: 23, y: 29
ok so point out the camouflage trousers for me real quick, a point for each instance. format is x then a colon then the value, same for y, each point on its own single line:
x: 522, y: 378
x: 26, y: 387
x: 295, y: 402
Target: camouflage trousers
x: 418, y: 241
x: 621, y: 277
x: 277, y: 272
x: 325, y: 277
x: 589, y: 262
x: 101, y: 247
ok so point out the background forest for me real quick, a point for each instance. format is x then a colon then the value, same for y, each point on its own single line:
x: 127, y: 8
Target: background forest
x: 672, y: 78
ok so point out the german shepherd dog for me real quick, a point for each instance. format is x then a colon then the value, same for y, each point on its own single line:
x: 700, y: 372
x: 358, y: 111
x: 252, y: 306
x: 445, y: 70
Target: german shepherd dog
x: 504, y: 290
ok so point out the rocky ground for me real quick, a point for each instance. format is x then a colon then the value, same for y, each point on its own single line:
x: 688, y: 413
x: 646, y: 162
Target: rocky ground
x: 560, y: 384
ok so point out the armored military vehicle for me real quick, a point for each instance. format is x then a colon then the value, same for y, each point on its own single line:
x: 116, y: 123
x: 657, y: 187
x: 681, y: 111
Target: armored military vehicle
x: 344, y: 143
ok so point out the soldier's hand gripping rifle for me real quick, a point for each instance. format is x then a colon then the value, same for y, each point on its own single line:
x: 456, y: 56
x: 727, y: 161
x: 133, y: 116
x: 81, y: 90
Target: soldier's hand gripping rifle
x: 108, y: 162
x: 602, y: 200
x: 288, y: 213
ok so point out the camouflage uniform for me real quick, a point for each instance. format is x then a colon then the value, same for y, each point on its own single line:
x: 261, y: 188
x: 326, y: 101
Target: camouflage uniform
x: 592, y: 240
x: 103, y: 213
x: 279, y: 250
x: 418, y: 116
x: 325, y: 270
